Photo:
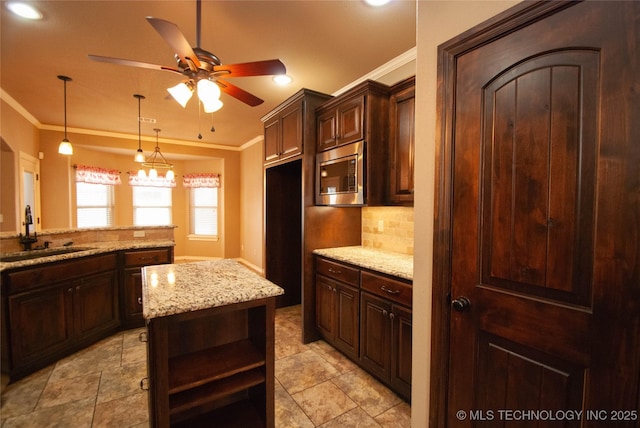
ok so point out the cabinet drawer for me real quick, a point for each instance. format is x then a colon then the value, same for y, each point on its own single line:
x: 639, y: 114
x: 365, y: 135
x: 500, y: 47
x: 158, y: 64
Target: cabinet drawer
x: 397, y: 291
x: 64, y: 270
x: 147, y: 257
x: 338, y: 271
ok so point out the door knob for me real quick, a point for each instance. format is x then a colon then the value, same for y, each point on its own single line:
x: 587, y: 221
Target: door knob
x: 461, y: 304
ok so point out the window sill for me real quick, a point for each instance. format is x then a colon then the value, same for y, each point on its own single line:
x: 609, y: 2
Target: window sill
x: 202, y: 237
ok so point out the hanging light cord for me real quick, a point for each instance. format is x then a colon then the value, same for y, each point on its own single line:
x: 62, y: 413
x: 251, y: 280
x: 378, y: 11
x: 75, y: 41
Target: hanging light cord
x: 65, y: 108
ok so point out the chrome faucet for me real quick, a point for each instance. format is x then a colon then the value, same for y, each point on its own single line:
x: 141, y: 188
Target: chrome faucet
x: 27, y: 240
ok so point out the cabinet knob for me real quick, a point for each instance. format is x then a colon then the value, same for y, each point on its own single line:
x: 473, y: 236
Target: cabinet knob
x: 384, y: 313
x: 139, y: 300
x: 142, y: 337
x: 392, y: 316
x: 144, y: 384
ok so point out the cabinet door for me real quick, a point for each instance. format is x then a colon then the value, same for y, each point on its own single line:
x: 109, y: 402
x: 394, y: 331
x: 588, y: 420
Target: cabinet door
x: 351, y: 120
x: 132, y: 297
x: 96, y: 304
x: 402, y: 144
x: 375, y: 335
x: 346, y: 330
x: 291, y: 134
x: 272, y: 140
x: 327, y: 131
x: 401, y: 351
x: 42, y: 322
x: 325, y: 311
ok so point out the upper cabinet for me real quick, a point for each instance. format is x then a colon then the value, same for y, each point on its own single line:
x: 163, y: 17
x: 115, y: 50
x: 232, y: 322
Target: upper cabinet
x: 343, y: 124
x: 360, y: 114
x: 288, y: 125
x: 401, y: 142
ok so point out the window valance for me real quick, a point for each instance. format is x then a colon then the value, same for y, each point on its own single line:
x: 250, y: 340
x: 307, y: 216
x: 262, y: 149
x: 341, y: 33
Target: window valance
x: 159, y: 181
x: 205, y: 179
x: 96, y: 175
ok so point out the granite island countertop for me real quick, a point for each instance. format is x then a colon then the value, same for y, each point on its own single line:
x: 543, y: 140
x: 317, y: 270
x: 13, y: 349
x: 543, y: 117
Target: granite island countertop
x: 88, y: 249
x: 186, y: 287
x: 395, y: 264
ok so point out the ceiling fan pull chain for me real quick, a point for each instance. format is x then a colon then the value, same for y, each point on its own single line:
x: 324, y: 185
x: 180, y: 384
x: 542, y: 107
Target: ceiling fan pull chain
x: 199, y: 121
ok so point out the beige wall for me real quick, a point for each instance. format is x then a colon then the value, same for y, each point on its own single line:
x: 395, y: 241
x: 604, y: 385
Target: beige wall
x: 438, y: 21
x: 116, y: 152
x: 252, y: 190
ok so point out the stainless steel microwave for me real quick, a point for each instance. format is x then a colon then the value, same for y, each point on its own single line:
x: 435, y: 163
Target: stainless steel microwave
x: 340, y: 175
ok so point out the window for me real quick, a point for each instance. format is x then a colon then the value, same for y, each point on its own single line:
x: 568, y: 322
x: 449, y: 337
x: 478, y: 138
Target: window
x: 151, y: 206
x: 203, y: 211
x: 94, y: 204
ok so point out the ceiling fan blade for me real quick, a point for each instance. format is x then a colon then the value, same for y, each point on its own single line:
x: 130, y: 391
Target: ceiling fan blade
x: 239, y: 93
x: 127, y: 62
x: 174, y: 37
x: 258, y: 68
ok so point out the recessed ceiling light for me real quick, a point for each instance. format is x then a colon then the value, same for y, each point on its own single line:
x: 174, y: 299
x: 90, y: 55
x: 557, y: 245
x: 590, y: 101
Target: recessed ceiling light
x: 282, y: 79
x: 24, y: 10
x: 377, y: 3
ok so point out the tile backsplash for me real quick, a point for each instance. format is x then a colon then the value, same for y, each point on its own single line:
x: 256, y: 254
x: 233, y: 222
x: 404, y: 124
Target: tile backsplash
x: 388, y: 229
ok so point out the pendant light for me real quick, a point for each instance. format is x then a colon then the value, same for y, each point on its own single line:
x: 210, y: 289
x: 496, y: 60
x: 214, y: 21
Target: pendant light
x: 139, y: 157
x: 154, y: 163
x: 65, y: 147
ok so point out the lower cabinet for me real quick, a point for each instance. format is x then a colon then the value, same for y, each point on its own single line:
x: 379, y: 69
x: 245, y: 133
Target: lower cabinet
x: 133, y: 261
x: 367, y: 316
x: 385, y: 342
x: 337, y: 314
x: 53, y: 310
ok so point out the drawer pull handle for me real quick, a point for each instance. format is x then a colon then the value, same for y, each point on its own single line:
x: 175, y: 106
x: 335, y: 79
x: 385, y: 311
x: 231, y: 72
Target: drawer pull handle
x: 338, y: 271
x: 388, y: 290
x: 144, y: 384
x: 142, y: 337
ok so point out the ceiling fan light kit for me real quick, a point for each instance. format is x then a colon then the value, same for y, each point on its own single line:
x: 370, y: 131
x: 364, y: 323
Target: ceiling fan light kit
x: 65, y: 147
x: 201, y: 70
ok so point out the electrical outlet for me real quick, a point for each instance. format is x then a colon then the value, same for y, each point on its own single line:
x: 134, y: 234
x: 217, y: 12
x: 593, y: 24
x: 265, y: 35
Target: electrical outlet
x: 138, y: 233
x: 380, y: 225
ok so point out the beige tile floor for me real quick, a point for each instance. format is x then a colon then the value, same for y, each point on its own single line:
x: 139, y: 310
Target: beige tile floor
x: 316, y: 386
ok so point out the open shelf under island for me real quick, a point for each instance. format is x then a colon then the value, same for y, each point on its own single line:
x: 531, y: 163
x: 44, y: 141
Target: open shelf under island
x: 210, y: 344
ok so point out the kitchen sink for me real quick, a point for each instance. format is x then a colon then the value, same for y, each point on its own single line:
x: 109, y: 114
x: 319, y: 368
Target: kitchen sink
x: 34, y: 254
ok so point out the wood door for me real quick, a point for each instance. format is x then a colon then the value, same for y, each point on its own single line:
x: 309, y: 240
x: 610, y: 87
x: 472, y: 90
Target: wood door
x: 347, y: 301
x: 401, y: 346
x: 402, y: 142
x: 540, y: 224
x: 96, y: 303
x: 327, y: 131
x: 351, y: 120
x: 375, y: 335
x: 291, y: 123
x: 272, y: 140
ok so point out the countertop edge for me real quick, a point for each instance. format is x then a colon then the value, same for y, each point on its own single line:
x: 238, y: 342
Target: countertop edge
x: 394, y: 264
x: 91, y: 249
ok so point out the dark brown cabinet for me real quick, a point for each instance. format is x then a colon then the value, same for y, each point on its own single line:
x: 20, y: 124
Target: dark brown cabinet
x: 401, y: 142
x: 337, y: 314
x: 367, y: 316
x: 343, y: 124
x: 213, y: 364
x: 284, y: 127
x: 133, y: 261
x: 52, y: 310
x: 360, y: 114
x: 385, y: 330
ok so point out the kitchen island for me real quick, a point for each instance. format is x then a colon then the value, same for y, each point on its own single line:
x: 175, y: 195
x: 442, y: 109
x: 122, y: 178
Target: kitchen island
x: 210, y: 343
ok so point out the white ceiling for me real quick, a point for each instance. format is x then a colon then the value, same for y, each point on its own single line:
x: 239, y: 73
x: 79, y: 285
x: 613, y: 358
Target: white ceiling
x: 325, y: 45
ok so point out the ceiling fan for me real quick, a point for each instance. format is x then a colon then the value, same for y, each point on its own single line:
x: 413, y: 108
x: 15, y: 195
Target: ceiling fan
x: 202, y: 70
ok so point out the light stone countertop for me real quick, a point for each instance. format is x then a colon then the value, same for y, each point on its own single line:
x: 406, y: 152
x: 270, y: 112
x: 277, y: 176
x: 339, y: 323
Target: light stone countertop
x: 89, y: 249
x: 396, y: 264
x: 186, y: 287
